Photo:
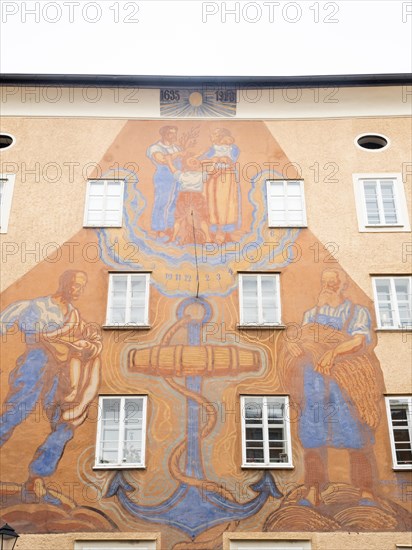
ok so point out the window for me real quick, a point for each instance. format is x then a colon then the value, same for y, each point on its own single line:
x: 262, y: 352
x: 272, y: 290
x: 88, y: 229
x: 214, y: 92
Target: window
x: 6, y: 194
x: 393, y: 302
x: 372, y: 142
x: 259, y: 297
x: 6, y: 141
x: 128, y: 300
x: 399, y: 410
x: 286, y: 203
x: 257, y: 544
x: 104, y: 203
x: 121, y: 432
x: 380, y: 202
x: 265, y: 432
x: 115, y: 545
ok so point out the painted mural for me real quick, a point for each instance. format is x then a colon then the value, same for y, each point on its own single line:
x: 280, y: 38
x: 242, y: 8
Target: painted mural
x: 195, y: 216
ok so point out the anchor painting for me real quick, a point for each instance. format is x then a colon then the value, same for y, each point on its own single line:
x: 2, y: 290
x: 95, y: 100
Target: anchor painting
x: 198, y: 503
x: 194, y: 221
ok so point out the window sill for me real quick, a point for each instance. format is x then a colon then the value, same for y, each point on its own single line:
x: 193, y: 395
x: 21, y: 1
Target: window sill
x: 88, y: 226
x: 118, y: 467
x: 394, y: 329
x: 384, y: 226
x: 384, y: 229
x: 268, y: 466
x: 256, y: 326
x: 126, y: 327
x: 284, y: 226
x: 402, y: 468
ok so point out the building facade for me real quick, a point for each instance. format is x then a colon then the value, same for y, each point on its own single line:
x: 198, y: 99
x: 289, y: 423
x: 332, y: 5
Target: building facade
x: 206, y: 315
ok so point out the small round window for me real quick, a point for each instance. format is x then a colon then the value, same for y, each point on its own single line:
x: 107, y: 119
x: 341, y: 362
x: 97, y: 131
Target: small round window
x: 372, y: 142
x: 6, y: 141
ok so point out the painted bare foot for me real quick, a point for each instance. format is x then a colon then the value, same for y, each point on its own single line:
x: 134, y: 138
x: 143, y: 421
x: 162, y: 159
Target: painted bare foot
x: 36, y: 485
x: 313, y: 496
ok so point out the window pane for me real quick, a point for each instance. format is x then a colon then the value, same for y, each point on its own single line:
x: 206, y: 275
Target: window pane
x: 276, y: 189
x: 383, y: 291
x: 371, y: 202
x: 386, y: 316
x: 388, y: 201
x: 253, y: 410
x: 96, y: 189
x: 293, y: 189
x: 275, y: 411
x: 269, y: 305
x: 138, y: 299
x: 399, y: 414
x: 109, y: 449
x: 402, y: 289
x: 133, y: 431
x: 255, y: 455
x: 114, y: 189
x: 276, y: 434
x: 95, y: 203
x: 268, y: 286
x: 250, y: 300
x: 254, y: 434
x: 278, y: 217
x: 403, y: 294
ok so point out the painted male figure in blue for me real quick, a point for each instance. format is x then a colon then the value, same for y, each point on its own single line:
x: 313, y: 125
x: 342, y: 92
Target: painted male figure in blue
x: 339, y: 390
x: 62, y: 356
x: 163, y: 154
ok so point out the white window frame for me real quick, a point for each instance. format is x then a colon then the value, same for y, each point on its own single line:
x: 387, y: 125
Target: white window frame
x: 120, y: 464
x: 393, y: 302
x: 286, y: 427
x: 273, y: 223
x: 6, y: 200
x: 408, y: 401
x: 400, y: 202
x: 119, y: 223
x: 259, y: 277
x: 115, y: 544
x: 128, y: 323
x: 269, y: 544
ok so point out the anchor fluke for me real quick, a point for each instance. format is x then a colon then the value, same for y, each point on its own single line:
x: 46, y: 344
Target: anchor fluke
x: 118, y: 482
x: 267, y: 484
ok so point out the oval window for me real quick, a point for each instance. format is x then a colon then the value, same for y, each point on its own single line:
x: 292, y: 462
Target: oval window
x: 372, y: 142
x: 6, y: 141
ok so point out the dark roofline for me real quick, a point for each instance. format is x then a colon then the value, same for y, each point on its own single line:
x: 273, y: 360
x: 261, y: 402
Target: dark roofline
x: 132, y: 81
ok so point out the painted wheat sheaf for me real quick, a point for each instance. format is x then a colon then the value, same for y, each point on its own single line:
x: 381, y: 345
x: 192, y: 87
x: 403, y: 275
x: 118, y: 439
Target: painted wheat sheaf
x: 299, y: 518
x: 357, y: 377
x: 366, y: 518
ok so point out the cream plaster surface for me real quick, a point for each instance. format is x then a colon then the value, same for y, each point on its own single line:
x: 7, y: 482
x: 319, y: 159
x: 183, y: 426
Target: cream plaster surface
x: 66, y: 541
x: 330, y: 540
x: 52, y: 159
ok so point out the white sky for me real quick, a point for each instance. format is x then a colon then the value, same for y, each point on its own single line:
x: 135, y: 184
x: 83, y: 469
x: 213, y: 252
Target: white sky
x: 195, y: 37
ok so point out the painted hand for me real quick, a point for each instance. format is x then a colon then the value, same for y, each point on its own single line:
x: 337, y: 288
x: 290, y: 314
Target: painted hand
x: 294, y: 349
x: 326, y: 362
